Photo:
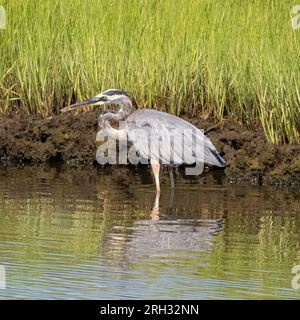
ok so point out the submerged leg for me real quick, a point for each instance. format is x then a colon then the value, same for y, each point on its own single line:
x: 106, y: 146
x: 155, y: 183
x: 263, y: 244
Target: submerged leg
x: 155, y: 166
x: 155, y: 210
x: 171, y: 174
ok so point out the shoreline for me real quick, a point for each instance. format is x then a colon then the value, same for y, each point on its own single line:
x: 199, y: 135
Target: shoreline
x: 70, y: 138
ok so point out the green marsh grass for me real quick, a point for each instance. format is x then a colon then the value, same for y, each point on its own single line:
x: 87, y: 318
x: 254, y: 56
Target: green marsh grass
x: 233, y: 59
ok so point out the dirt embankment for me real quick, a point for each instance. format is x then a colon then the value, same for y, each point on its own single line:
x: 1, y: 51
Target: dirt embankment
x: 70, y: 138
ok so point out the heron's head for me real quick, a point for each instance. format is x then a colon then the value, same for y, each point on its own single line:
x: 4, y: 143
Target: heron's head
x: 108, y: 97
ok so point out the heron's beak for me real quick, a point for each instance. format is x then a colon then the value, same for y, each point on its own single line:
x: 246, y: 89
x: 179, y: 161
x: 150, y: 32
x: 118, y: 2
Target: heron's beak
x: 91, y: 101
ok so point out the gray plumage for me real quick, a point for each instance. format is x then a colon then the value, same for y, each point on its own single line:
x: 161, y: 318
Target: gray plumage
x: 168, y: 125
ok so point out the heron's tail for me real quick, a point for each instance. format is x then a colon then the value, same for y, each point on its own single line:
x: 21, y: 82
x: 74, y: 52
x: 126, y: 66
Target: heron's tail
x: 218, y: 160
x: 211, y: 155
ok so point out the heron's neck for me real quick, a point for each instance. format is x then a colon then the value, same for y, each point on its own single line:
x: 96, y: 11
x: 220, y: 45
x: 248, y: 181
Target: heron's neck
x: 124, y: 111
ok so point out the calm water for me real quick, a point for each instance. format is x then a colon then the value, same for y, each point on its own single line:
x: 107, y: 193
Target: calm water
x: 72, y: 233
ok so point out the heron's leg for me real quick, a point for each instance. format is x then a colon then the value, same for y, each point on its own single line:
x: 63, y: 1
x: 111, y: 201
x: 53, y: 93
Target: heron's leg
x: 155, y: 166
x: 172, y: 197
x: 171, y: 174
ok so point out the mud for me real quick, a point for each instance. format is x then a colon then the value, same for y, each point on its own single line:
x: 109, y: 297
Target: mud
x: 70, y: 139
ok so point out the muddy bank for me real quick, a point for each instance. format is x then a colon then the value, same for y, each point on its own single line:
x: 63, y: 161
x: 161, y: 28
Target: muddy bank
x: 70, y: 138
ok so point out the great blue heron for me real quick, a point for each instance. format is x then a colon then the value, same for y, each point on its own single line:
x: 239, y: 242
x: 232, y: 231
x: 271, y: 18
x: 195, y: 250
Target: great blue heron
x: 149, y: 119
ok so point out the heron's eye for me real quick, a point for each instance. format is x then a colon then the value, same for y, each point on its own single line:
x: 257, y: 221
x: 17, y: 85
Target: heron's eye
x: 104, y: 98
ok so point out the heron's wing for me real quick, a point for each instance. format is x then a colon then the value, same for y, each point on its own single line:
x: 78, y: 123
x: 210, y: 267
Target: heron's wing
x: 164, y: 137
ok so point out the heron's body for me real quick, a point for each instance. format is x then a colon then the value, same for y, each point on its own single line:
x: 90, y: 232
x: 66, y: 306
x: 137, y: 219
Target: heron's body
x: 165, y: 125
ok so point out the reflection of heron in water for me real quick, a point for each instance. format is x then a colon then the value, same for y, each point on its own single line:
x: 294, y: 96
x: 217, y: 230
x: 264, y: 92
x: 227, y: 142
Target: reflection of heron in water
x: 174, y: 239
x: 191, y: 223
x: 164, y: 123
x: 180, y: 230
x: 167, y: 236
